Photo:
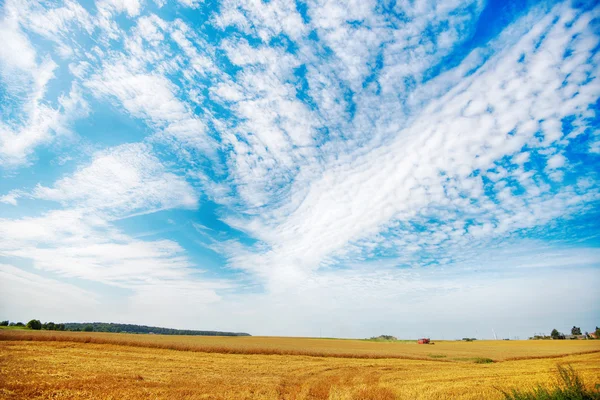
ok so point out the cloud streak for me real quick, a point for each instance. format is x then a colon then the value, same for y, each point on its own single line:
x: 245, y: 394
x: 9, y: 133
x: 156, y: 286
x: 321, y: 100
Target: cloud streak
x: 120, y: 182
x: 446, y: 164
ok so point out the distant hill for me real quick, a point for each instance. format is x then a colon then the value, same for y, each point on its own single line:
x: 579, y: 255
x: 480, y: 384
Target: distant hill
x: 131, y: 328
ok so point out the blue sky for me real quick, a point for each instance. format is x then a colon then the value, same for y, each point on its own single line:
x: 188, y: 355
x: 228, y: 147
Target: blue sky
x: 344, y: 168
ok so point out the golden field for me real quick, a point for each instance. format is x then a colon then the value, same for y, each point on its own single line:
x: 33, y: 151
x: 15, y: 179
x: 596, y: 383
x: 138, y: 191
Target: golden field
x: 65, y: 365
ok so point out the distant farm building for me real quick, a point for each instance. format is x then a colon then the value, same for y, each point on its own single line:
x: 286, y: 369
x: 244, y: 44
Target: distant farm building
x: 575, y: 337
x: 423, y: 341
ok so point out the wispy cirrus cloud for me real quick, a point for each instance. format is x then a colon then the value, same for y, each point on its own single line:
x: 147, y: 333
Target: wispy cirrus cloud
x: 83, y: 245
x: 26, y: 75
x: 119, y: 182
x: 445, y: 166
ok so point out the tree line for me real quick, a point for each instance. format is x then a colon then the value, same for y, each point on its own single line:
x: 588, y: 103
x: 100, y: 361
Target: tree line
x: 575, y: 331
x: 36, y: 324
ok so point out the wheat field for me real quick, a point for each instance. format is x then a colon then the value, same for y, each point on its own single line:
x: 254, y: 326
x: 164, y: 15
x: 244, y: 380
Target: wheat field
x: 49, y: 365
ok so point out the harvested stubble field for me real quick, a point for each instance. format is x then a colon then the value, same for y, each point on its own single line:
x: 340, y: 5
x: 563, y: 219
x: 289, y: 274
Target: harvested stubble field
x: 121, y: 366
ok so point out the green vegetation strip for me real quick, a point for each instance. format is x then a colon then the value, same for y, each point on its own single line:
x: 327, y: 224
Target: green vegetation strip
x: 569, y: 386
x: 437, y: 355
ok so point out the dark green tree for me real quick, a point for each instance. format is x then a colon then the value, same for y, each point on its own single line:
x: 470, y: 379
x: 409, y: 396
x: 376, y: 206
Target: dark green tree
x: 4, y: 323
x: 554, y: 334
x: 88, y: 328
x: 34, y: 324
x: 575, y: 330
x: 49, y: 326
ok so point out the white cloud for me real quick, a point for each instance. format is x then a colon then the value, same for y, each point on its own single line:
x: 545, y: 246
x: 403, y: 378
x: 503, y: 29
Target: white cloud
x: 12, y: 197
x: 521, y: 158
x: 17, y: 53
x: 428, y: 165
x: 80, y: 241
x: 197, y: 50
x: 151, y: 96
x: 132, y: 7
x: 143, y: 95
x: 556, y: 161
x: 41, y: 296
x: 24, y: 78
x: 30, y: 121
x: 150, y: 28
x: 190, y: 3
x: 42, y: 125
x: 121, y: 181
x: 82, y: 245
x: 56, y: 23
x: 18, y: 140
x: 279, y: 137
x: 265, y: 19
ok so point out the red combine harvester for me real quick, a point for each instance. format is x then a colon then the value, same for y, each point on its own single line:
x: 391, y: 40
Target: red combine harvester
x: 423, y: 341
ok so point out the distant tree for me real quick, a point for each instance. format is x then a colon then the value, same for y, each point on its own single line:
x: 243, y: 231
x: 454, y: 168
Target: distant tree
x: 60, y: 327
x: 384, y: 337
x: 3, y: 323
x: 19, y: 324
x: 575, y: 330
x: 88, y: 328
x: 49, y: 326
x: 556, y: 334
x: 34, y: 324
x: 597, y: 333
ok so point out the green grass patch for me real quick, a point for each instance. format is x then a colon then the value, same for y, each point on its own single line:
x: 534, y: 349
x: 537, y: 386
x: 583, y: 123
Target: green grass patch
x: 14, y: 328
x: 568, y: 386
x: 476, y: 360
x: 437, y: 355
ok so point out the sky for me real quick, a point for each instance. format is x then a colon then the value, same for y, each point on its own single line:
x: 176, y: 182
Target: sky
x: 339, y: 168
